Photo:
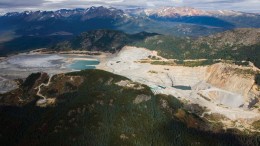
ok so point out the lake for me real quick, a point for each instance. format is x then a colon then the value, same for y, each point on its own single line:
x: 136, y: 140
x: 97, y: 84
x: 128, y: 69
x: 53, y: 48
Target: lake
x: 182, y: 87
x: 84, y: 64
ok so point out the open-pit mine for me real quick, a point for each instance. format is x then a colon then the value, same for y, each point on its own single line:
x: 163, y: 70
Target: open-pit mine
x: 220, y: 89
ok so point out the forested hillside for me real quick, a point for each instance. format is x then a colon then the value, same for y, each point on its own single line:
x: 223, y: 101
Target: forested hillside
x: 237, y: 45
x: 101, y: 40
x: 99, y: 110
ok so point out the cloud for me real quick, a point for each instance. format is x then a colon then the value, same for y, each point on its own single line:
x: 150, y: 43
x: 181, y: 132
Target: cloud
x: 20, y: 5
x: 238, y: 5
x: 15, y: 3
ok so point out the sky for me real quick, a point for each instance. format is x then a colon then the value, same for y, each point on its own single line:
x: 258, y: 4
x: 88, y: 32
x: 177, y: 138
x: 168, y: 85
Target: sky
x: 22, y: 5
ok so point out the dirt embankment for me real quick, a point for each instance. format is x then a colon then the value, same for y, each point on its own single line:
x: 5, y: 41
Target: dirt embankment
x: 234, y: 79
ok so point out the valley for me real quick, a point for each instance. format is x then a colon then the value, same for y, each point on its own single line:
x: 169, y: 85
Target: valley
x: 144, y: 76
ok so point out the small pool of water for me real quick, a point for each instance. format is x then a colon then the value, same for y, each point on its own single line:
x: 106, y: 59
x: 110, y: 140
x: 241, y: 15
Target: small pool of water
x: 84, y: 64
x: 182, y: 87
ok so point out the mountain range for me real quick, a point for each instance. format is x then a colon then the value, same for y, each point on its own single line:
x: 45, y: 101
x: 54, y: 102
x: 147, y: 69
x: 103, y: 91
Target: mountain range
x: 188, y: 11
x: 166, y: 76
x: 78, y: 20
x: 36, y: 29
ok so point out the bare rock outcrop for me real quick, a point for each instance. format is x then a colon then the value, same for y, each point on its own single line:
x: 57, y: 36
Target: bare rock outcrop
x: 234, y: 79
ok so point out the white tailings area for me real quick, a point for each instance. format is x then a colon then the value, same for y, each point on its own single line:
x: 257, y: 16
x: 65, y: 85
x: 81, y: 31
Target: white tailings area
x: 32, y: 61
x: 203, y: 82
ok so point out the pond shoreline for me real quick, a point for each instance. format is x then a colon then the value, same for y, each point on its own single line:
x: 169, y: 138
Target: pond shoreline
x: 22, y: 65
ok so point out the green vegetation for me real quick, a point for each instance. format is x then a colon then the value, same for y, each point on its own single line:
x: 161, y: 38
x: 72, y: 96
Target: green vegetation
x: 101, y: 40
x: 27, y: 43
x: 30, y: 80
x: 100, y: 112
x: 167, y: 46
x: 26, y: 91
x: 182, y: 63
x: 163, y: 63
x: 196, y: 63
x: 238, y: 46
x: 245, y: 72
x: 241, y: 63
x: 154, y: 57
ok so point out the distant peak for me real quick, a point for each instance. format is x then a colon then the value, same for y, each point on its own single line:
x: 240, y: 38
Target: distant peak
x: 175, y: 11
x: 2, y: 13
x: 190, y: 11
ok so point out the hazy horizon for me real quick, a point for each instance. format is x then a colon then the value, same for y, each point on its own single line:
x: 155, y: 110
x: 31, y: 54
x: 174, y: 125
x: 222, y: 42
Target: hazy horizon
x: 251, y: 6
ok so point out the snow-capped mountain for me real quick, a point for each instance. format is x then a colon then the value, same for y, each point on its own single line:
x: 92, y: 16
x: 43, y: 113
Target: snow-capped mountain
x: 72, y: 21
x: 83, y: 14
x: 2, y: 13
x: 180, y: 20
x: 171, y: 12
x: 174, y: 12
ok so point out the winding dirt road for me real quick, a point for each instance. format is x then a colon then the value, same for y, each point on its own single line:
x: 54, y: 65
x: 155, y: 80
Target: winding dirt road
x: 44, y: 100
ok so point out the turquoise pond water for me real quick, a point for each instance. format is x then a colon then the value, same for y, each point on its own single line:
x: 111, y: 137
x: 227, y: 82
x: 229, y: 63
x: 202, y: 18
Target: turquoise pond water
x: 183, y: 87
x: 84, y: 64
